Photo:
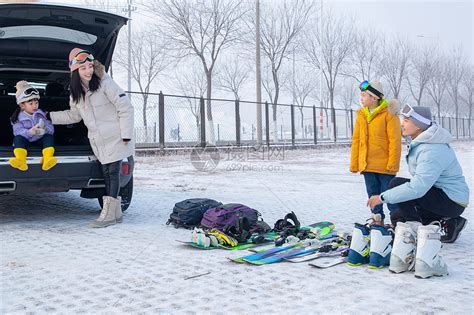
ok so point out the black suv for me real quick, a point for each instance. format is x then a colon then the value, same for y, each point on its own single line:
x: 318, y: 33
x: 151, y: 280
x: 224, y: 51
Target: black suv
x: 35, y: 40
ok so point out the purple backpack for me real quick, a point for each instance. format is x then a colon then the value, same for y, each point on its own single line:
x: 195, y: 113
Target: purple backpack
x: 233, y: 218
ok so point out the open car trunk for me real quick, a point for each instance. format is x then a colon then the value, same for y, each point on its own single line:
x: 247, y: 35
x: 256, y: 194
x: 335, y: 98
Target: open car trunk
x: 68, y: 139
x: 35, y: 41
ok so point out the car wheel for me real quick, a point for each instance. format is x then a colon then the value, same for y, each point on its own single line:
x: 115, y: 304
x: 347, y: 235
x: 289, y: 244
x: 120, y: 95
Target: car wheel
x: 126, y: 193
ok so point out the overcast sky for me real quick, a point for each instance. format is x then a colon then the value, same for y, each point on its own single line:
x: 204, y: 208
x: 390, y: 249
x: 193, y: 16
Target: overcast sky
x: 448, y: 22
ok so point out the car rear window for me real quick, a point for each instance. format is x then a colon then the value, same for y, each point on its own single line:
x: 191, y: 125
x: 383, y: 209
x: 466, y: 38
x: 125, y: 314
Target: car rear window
x: 47, y: 33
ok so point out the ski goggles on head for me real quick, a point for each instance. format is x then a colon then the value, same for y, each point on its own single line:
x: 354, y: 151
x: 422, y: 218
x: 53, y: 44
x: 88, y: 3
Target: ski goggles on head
x: 409, y: 111
x: 81, y: 57
x: 27, y: 93
x: 365, y: 86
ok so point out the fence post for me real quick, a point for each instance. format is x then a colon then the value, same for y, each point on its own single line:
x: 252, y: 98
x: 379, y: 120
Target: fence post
x: 237, y: 123
x: 315, y: 127
x: 456, y: 121
x: 463, y: 130
x: 267, y: 123
x: 161, y: 119
x: 202, y: 110
x: 449, y: 124
x: 179, y: 131
x: 333, y: 110
x: 352, y: 123
x: 154, y: 132
x: 292, y: 126
x: 218, y: 133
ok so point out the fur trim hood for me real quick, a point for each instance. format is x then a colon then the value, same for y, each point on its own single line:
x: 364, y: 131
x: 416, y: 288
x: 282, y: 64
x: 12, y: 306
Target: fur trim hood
x: 99, y: 69
x: 393, y: 106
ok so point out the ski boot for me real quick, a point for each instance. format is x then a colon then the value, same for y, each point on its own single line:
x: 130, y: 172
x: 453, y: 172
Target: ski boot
x: 359, y: 249
x: 452, y: 229
x: 381, y: 240
x: 404, y: 247
x: 428, y: 263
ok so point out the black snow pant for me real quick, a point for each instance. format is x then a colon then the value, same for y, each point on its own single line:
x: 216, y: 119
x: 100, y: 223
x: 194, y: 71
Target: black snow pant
x: 433, y: 206
x: 111, y: 173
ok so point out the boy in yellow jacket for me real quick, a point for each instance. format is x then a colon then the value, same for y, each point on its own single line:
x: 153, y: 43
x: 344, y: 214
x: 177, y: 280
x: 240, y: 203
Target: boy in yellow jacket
x: 376, y: 144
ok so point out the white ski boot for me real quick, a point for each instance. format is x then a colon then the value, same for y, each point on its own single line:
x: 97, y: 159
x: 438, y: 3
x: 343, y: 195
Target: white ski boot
x: 360, y: 245
x: 428, y: 262
x: 404, y: 247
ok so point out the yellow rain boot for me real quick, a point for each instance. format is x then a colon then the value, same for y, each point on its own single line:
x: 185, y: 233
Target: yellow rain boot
x: 48, y: 159
x: 19, y: 161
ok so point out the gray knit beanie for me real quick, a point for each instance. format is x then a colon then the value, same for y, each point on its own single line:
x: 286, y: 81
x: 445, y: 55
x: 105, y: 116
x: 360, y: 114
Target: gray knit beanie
x: 425, y: 112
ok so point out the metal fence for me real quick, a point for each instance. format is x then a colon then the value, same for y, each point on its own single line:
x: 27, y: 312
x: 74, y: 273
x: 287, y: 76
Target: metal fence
x: 182, y: 121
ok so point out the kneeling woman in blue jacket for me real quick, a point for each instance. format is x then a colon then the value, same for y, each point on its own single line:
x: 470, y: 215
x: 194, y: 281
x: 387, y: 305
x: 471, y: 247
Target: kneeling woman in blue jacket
x: 437, y: 190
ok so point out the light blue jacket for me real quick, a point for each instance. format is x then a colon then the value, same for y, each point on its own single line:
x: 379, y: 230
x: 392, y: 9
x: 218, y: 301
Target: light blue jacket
x: 431, y: 162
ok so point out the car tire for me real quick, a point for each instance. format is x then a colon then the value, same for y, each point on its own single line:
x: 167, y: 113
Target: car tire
x: 126, y: 193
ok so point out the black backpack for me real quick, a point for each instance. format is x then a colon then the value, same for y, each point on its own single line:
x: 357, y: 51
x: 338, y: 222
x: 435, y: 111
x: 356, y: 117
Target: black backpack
x: 188, y: 213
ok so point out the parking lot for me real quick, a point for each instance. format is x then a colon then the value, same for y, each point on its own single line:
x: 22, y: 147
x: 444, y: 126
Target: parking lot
x: 52, y: 262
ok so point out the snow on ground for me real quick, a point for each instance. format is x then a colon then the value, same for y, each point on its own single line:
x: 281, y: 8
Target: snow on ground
x: 52, y: 262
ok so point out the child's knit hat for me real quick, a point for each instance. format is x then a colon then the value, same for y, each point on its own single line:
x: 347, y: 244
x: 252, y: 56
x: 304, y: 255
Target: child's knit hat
x: 376, y: 85
x: 25, y: 92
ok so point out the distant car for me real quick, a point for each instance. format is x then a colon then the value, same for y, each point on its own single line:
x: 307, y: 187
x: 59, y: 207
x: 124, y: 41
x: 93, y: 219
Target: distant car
x: 35, y: 40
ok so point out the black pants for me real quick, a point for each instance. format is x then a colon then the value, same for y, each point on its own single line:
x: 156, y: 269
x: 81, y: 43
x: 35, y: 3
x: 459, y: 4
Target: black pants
x: 45, y: 141
x: 433, y: 206
x: 111, y: 173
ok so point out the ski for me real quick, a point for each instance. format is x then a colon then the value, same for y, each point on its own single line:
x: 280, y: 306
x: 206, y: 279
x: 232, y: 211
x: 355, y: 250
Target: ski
x: 306, y: 249
x: 278, y: 249
x: 316, y: 255
x: 324, y: 263
x: 261, y: 255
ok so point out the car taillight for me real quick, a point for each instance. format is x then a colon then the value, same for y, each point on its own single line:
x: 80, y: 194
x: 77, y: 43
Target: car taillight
x: 125, y: 169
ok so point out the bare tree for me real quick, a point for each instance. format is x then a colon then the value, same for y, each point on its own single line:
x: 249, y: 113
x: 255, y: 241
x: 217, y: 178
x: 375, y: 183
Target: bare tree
x: 348, y: 97
x: 365, y: 56
x: 328, y: 47
x: 149, y: 59
x: 302, y: 88
x: 232, y: 76
x: 200, y: 28
x: 394, y: 64
x: 436, y: 87
x: 422, y: 69
x: 193, y: 83
x: 280, y: 26
x: 456, y: 71
x: 468, y: 96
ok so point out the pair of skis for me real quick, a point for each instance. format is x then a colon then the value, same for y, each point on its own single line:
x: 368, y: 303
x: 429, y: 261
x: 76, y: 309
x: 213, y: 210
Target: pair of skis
x: 297, y: 252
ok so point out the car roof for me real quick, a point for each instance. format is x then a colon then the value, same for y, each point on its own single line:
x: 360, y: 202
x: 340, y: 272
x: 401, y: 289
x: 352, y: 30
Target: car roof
x: 37, y: 37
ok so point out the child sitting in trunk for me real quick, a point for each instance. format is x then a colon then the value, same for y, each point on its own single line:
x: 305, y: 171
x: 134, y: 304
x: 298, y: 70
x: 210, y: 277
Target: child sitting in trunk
x: 31, y: 128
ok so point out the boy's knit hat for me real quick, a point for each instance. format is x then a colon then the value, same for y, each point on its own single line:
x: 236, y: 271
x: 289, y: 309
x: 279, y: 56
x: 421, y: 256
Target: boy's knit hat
x: 25, y: 92
x: 376, y: 85
x: 424, y: 112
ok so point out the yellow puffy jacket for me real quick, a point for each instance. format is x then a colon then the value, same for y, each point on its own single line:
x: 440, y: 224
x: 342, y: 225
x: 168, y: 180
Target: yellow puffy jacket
x: 376, y: 142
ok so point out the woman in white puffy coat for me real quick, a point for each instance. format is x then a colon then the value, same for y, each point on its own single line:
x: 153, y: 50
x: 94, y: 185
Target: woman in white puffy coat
x: 108, y: 115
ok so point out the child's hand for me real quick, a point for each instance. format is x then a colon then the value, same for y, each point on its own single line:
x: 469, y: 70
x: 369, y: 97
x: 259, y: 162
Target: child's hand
x: 36, y: 130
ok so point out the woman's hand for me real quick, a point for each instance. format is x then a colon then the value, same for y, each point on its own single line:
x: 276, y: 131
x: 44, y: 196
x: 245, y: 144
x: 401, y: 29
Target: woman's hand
x: 374, y: 201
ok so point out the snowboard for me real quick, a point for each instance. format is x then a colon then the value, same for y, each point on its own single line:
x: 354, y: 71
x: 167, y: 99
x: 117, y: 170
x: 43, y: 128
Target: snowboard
x: 195, y: 245
x: 268, y: 238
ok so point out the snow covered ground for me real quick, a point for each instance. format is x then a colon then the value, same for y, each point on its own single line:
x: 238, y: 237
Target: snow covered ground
x: 52, y: 262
